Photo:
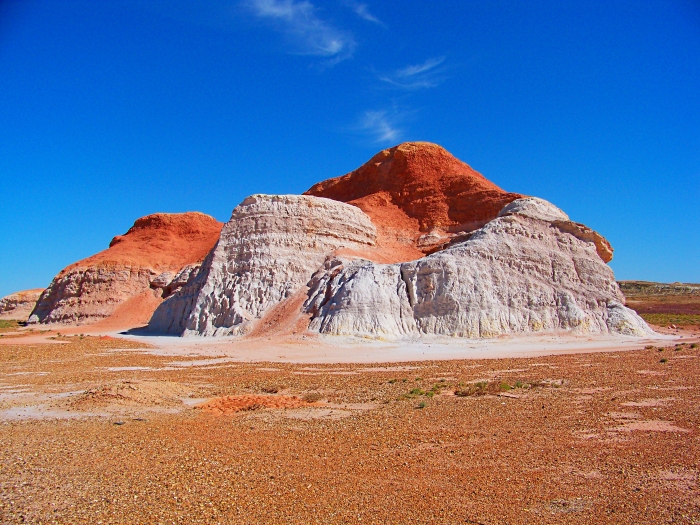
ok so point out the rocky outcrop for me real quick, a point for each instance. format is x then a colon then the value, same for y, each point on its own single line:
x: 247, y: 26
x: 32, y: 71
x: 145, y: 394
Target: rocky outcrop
x: 267, y: 253
x: 144, y: 259
x: 528, y: 270
x: 19, y: 305
x: 419, y: 197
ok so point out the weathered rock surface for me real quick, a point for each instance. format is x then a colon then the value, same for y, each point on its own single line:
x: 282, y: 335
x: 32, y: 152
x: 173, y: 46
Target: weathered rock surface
x: 168, y: 283
x: 19, y: 305
x: 155, y: 247
x: 267, y: 252
x: 528, y: 270
x: 419, y: 197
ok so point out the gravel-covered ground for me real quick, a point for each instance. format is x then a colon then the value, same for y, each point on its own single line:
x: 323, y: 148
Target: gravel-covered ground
x: 98, y: 430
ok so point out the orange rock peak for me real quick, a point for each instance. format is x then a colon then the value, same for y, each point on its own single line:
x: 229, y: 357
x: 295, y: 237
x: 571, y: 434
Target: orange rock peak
x: 160, y: 241
x: 419, y: 197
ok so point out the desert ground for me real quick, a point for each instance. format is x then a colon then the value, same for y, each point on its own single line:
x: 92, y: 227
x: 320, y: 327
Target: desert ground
x: 119, y: 428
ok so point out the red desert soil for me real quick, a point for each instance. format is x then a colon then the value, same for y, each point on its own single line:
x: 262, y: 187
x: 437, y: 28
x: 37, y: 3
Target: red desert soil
x: 136, y: 311
x: 102, y: 431
x: 233, y: 404
x: 161, y: 241
x: 413, y: 189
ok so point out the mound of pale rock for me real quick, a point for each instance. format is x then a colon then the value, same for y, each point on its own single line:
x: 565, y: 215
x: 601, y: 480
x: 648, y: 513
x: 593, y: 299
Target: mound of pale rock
x: 266, y: 254
x: 528, y: 270
x: 19, y: 305
x: 420, y: 198
x: 133, y: 274
x: 498, y: 264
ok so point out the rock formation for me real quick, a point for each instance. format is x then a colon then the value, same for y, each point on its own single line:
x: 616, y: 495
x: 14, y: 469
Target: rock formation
x: 419, y: 197
x: 267, y: 252
x: 528, y: 270
x: 139, y: 267
x: 19, y: 305
x: 412, y: 243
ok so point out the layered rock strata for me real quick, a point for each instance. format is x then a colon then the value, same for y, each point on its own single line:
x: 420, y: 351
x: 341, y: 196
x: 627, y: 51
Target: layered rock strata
x: 19, y: 305
x: 530, y: 269
x: 135, y: 265
x: 267, y: 253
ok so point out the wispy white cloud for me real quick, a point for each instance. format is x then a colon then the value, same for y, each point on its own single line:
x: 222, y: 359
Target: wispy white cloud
x: 427, y: 74
x: 310, y: 35
x: 381, y: 126
x: 362, y: 11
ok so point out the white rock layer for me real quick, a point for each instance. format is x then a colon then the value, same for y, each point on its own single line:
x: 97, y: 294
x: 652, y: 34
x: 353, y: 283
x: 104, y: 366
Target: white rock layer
x: 529, y: 270
x: 267, y: 251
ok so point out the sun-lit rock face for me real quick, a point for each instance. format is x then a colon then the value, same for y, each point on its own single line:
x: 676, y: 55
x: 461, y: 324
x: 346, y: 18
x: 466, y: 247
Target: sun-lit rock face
x: 528, y: 270
x: 135, y: 268
x: 267, y: 252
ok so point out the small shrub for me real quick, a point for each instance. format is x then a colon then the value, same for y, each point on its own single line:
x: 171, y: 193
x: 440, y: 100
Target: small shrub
x: 437, y: 388
x: 519, y: 384
x: 273, y: 389
x: 8, y: 325
x: 694, y: 345
x: 504, y: 387
x: 480, y: 388
x: 392, y: 381
x: 313, y: 397
x: 417, y: 392
x: 649, y: 347
x: 422, y: 404
x: 663, y: 360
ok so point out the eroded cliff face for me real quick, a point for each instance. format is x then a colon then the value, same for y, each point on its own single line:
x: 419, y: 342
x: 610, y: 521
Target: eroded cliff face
x: 419, y: 197
x: 267, y: 252
x: 136, y: 267
x: 528, y: 270
x: 19, y: 305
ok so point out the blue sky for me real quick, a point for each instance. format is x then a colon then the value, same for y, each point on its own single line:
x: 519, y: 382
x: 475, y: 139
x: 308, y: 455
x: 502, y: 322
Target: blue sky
x: 112, y: 110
